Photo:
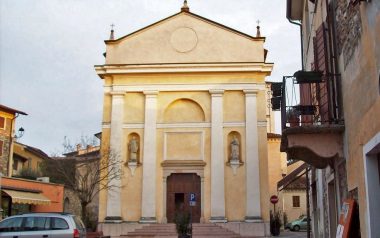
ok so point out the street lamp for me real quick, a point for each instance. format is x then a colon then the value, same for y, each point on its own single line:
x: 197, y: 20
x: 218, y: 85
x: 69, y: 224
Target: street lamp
x: 20, y: 133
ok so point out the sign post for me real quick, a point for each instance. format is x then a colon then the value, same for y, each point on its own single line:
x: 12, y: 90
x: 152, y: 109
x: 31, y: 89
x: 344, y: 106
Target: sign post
x: 274, y: 200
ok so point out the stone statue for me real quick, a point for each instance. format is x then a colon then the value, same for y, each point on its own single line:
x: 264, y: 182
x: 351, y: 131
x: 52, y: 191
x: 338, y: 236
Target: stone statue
x: 133, y: 147
x: 234, y: 149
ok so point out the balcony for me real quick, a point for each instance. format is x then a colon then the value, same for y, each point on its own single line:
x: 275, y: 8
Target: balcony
x: 311, y: 128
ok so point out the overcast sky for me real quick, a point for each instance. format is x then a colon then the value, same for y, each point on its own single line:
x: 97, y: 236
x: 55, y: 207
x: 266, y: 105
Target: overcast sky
x: 48, y: 49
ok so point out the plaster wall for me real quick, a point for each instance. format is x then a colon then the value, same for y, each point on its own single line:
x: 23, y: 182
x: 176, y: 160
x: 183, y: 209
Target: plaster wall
x: 294, y: 212
x: 361, y: 77
x: 33, y: 162
x: 54, y: 192
x: 211, y: 44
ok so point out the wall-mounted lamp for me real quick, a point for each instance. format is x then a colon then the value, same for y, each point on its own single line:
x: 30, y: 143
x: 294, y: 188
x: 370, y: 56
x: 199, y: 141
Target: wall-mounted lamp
x: 20, y: 133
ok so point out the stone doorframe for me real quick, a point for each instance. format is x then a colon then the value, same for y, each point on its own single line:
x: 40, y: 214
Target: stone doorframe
x: 184, y: 169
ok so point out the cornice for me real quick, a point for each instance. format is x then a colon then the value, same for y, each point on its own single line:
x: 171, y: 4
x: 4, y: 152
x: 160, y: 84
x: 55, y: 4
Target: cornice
x: 106, y: 70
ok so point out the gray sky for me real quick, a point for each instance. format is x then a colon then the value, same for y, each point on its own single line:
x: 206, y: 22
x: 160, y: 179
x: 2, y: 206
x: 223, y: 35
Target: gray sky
x: 48, y: 49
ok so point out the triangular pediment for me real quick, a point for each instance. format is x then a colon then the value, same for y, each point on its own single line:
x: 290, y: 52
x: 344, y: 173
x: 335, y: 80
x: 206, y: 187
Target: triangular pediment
x: 185, y: 38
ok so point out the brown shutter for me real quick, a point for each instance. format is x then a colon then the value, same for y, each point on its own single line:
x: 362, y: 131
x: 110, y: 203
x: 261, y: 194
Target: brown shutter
x: 2, y: 122
x: 320, y: 64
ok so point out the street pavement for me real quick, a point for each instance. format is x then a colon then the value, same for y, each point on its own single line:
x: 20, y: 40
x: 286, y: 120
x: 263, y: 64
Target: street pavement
x: 291, y: 234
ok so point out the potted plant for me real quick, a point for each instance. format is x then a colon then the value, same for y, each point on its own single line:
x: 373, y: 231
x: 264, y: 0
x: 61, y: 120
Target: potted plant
x: 308, y: 76
x: 182, y: 223
x: 275, y: 222
x: 292, y: 116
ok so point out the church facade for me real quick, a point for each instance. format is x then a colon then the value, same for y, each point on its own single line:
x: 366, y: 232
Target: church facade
x: 185, y: 111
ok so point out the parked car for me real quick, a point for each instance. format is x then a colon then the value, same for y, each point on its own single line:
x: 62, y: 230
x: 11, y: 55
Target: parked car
x: 42, y: 225
x: 296, y: 225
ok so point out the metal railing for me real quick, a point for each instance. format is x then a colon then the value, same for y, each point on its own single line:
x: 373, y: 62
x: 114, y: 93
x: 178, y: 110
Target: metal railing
x: 304, y: 102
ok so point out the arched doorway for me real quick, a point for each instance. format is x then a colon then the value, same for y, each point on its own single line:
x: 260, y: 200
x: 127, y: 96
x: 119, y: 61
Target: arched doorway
x: 180, y: 186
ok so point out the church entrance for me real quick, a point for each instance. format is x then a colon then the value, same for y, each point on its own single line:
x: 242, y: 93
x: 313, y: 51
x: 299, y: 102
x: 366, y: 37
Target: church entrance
x: 179, y: 190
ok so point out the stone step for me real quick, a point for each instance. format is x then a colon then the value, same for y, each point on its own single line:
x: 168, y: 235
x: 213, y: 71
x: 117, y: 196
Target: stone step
x: 169, y: 231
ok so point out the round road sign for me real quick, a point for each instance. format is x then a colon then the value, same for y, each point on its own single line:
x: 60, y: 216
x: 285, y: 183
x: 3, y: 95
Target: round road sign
x: 274, y: 199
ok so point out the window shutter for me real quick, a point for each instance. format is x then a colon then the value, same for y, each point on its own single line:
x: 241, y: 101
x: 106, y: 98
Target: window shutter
x: 2, y: 123
x: 321, y: 64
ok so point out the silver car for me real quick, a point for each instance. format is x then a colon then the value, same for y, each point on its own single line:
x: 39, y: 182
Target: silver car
x: 42, y: 225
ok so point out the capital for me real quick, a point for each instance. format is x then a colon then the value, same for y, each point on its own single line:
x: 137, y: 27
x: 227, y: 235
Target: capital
x: 216, y: 92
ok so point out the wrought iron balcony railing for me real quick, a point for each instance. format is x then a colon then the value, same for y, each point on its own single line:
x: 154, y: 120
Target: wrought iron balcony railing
x: 306, y: 98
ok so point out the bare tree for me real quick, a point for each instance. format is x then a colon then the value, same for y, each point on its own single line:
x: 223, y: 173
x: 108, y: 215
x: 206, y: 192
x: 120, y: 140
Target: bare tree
x: 86, y: 174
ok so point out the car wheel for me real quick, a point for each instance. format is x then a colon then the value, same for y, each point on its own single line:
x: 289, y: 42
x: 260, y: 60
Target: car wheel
x: 296, y: 228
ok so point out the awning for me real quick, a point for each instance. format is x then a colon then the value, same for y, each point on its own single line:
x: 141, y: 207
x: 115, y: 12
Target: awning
x: 291, y: 177
x: 27, y: 197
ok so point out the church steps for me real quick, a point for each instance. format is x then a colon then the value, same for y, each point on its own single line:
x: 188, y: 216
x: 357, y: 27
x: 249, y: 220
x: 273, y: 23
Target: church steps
x: 169, y: 231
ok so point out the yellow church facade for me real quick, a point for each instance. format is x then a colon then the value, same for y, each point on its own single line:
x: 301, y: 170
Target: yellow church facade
x: 185, y: 111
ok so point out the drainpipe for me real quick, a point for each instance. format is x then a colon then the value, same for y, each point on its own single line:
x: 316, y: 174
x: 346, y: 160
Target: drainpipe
x: 301, y: 37
x: 336, y: 66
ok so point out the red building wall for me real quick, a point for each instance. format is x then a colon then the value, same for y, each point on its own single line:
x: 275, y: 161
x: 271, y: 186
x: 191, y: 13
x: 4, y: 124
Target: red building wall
x: 52, y: 191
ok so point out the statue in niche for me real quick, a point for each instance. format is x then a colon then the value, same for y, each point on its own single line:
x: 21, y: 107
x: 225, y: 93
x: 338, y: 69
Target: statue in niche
x: 235, y: 149
x: 133, y: 147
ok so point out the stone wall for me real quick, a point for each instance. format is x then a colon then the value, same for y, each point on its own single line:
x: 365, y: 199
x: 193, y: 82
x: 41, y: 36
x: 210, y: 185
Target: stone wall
x: 71, y: 204
x: 348, y: 28
x: 5, y: 156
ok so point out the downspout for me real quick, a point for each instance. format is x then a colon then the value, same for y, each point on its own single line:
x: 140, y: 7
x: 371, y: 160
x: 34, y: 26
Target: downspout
x: 336, y: 67
x: 301, y: 37
x: 288, y: 16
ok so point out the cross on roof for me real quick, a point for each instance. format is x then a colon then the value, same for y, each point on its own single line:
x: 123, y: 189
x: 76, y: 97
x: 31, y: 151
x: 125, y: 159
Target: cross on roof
x: 185, y: 7
x: 112, y: 25
x: 258, y: 22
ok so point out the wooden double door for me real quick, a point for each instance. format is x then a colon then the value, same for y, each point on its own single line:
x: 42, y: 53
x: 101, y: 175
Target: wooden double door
x: 179, y: 190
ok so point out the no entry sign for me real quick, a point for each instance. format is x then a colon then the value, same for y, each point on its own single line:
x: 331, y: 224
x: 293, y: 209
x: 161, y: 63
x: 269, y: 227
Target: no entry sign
x: 274, y: 199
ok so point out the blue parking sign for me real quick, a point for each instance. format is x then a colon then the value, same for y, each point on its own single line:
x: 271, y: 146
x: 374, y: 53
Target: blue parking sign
x: 192, y: 197
x: 192, y: 201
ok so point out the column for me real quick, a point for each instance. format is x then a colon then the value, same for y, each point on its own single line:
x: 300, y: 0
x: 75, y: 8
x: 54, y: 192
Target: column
x: 148, y: 209
x: 217, y: 158
x: 252, y: 165
x: 116, y: 138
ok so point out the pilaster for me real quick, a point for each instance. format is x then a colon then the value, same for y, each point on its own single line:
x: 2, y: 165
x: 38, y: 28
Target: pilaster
x: 148, y: 209
x: 116, y: 138
x: 217, y: 158
x: 253, y: 207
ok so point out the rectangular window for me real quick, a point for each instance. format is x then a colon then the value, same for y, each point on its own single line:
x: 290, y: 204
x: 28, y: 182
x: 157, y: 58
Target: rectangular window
x: 296, y: 201
x: 15, y: 164
x: 2, y: 123
x: 1, y: 147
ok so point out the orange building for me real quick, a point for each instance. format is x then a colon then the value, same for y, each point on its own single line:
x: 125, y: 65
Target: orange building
x: 21, y: 195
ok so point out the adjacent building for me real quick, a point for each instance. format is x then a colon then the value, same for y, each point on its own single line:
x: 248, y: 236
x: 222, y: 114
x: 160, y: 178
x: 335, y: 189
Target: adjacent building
x: 185, y: 111
x: 23, y: 195
x: 27, y: 159
x: 7, y: 135
x: 333, y: 124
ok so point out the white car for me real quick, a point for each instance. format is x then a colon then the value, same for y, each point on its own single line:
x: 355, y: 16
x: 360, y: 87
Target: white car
x: 42, y: 225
